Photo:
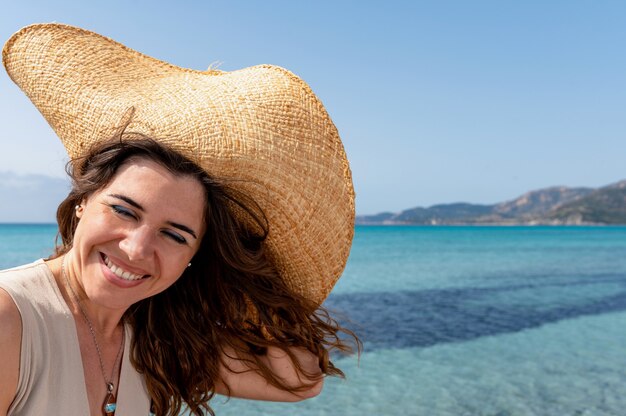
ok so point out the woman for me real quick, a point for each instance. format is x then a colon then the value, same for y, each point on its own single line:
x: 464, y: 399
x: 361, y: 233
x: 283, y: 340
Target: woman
x: 197, y: 241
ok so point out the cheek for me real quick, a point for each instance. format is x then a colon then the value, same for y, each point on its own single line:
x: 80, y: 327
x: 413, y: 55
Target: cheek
x: 98, y: 224
x: 173, y: 266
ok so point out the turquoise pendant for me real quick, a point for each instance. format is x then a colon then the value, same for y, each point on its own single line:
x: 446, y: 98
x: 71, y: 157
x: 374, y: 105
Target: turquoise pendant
x: 109, y: 402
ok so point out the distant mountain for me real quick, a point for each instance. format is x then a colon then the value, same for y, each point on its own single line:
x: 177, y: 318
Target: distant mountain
x: 556, y: 205
x: 443, y: 214
x: 30, y: 198
x: 605, y: 205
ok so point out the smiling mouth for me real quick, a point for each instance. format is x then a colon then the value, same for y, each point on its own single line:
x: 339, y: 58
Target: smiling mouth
x: 121, y: 273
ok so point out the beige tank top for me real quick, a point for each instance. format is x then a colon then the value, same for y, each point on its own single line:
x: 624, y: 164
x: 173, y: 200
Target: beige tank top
x: 51, y: 380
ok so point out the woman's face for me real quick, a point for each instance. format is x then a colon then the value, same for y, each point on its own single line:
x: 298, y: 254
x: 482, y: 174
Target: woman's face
x: 136, y: 236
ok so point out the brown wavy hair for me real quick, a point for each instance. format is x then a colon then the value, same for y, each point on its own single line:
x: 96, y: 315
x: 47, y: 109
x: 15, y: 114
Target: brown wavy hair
x: 230, y: 299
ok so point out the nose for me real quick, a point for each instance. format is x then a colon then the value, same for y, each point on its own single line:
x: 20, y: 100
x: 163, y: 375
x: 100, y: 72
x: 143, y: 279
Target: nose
x: 138, y: 244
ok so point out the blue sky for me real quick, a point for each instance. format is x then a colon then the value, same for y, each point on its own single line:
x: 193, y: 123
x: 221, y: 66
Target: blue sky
x: 438, y: 101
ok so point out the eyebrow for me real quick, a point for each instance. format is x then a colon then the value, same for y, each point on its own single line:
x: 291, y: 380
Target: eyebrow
x: 133, y: 203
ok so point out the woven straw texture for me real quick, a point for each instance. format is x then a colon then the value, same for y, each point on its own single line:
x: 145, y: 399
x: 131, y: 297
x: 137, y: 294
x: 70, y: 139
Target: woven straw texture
x: 260, y: 128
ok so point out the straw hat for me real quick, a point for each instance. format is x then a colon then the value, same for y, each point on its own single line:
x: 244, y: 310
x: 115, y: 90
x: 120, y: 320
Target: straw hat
x: 262, y: 126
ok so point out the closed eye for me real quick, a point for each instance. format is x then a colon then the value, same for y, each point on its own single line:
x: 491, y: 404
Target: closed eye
x: 123, y: 211
x: 175, y: 237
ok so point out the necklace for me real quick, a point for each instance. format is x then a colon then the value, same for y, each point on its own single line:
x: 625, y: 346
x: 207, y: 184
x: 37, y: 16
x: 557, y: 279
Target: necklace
x: 109, y: 404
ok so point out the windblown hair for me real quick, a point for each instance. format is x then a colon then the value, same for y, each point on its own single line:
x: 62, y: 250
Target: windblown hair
x: 230, y: 300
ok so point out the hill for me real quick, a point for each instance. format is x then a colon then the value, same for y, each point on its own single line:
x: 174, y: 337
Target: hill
x: 554, y: 205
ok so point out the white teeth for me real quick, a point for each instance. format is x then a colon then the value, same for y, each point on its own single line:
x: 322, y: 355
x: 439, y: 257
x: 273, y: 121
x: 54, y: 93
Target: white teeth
x: 119, y: 272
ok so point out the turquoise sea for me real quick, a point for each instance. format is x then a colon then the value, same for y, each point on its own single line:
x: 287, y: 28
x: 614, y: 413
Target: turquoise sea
x: 496, y: 321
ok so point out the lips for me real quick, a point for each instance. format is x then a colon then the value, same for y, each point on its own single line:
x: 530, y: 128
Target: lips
x: 120, y: 272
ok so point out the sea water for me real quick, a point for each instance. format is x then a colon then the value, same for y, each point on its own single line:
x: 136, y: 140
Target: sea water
x: 496, y: 321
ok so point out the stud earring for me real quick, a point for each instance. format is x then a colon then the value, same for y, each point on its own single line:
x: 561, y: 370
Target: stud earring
x: 189, y: 265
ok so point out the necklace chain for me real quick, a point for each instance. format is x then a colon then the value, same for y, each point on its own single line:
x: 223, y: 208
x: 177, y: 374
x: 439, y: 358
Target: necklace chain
x: 109, y: 383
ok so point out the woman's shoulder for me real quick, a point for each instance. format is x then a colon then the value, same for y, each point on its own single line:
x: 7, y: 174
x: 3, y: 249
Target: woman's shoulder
x: 38, y: 266
x: 33, y: 289
x: 10, y: 320
x: 12, y: 288
x: 22, y: 278
x: 9, y: 315
x: 20, y: 289
x: 10, y: 340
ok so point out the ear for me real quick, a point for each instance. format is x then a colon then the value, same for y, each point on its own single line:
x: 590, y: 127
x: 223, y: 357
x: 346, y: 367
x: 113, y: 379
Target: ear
x: 79, y: 208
